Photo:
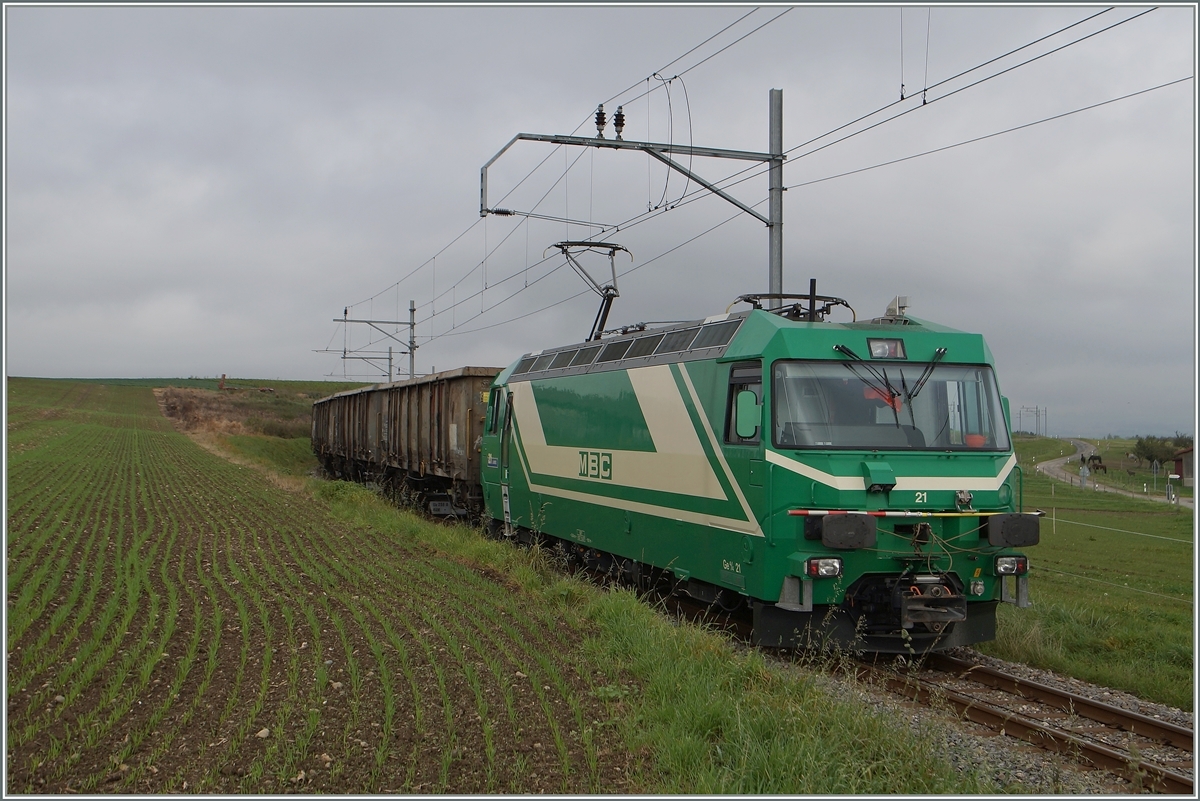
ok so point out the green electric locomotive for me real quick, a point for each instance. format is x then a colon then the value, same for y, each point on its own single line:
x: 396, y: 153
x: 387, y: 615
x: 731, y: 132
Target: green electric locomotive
x: 852, y: 483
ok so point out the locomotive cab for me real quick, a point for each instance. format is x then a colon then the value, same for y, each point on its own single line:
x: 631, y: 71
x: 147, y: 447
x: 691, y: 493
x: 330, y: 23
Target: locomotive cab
x: 894, y: 480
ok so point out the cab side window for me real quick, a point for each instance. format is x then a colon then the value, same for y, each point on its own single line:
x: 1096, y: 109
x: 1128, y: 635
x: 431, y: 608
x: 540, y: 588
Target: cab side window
x: 496, y: 412
x: 743, y: 376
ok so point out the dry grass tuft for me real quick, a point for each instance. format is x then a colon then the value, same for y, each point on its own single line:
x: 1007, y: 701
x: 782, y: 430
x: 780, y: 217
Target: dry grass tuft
x: 198, y: 410
x: 207, y: 418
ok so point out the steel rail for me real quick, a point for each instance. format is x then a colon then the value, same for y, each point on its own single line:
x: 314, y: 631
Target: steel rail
x: 1155, y: 777
x: 1133, y: 722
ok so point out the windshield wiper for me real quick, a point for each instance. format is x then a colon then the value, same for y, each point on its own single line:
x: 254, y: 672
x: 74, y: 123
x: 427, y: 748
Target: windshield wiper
x: 895, y: 394
x: 884, y: 387
x: 917, y: 387
x: 909, y: 395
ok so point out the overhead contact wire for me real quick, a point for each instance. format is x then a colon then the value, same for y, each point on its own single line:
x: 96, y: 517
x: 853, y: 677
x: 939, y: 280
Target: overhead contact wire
x: 991, y: 135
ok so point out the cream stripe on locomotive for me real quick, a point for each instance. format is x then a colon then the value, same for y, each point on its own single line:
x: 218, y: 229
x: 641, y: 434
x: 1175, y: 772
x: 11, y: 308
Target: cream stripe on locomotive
x: 716, y: 446
x: 903, y: 483
x: 677, y: 465
x: 671, y: 430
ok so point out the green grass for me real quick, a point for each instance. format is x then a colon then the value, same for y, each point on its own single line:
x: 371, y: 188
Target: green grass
x: 1121, y: 471
x: 1112, y: 601
x: 712, y: 718
x: 290, y: 457
x: 1112, y: 584
x: 316, y: 389
x: 100, y: 490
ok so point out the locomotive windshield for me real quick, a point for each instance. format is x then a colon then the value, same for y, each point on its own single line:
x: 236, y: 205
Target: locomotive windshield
x: 909, y: 406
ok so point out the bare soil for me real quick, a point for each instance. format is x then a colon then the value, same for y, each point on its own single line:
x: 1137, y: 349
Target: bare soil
x: 186, y: 626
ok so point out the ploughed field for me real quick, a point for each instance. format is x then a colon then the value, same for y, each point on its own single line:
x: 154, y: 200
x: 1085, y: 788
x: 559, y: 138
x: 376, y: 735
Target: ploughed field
x: 177, y: 622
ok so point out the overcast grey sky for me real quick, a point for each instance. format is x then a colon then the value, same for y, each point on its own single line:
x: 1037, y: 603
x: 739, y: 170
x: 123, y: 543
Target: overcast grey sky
x: 201, y: 190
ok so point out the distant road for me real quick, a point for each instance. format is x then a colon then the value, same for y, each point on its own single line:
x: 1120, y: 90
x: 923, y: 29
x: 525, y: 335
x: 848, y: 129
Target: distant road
x: 1057, y: 469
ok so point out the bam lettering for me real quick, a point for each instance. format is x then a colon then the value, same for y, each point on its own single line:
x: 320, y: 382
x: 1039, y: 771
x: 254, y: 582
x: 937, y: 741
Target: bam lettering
x: 595, y: 464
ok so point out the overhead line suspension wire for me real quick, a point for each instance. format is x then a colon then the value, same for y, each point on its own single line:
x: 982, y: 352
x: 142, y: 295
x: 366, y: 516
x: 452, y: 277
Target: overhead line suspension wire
x: 803, y: 144
x: 634, y: 86
x: 700, y: 193
x: 763, y: 171
x: 928, y: 16
x: 691, y: 156
x: 701, y: 61
x: 951, y: 78
x: 635, y: 221
x: 584, y: 122
x: 427, y: 261
x: 666, y: 86
x: 735, y: 41
x: 666, y: 66
x: 991, y: 135
x: 459, y: 302
x: 726, y: 47
x: 619, y: 275
x: 500, y: 244
x: 969, y: 86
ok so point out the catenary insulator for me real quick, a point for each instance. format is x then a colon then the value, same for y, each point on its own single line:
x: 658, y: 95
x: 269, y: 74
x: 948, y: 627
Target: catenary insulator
x: 601, y: 119
x: 619, y: 121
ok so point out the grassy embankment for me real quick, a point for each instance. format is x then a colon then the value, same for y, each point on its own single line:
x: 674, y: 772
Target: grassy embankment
x: 1113, y: 588
x: 1112, y: 578
x: 183, y: 602
x: 713, y: 719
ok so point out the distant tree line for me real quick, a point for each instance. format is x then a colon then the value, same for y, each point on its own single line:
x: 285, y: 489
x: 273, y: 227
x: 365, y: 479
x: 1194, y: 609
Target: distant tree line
x: 1160, y: 449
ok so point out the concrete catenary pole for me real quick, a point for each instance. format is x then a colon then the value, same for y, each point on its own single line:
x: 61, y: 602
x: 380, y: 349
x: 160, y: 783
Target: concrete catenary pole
x: 775, y: 214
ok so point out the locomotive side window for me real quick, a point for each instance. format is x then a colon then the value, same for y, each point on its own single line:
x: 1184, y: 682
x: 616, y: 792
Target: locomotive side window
x: 614, y: 351
x: 585, y: 356
x: 498, y: 403
x: 644, y: 346
x: 677, y: 340
x: 562, y: 359
x: 712, y: 336
x: 743, y: 376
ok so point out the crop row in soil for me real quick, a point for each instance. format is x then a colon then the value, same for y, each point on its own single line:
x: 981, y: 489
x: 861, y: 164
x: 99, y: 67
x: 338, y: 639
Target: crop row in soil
x: 177, y: 622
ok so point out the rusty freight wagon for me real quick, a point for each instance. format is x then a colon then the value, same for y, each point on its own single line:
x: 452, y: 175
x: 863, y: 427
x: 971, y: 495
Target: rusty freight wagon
x: 421, y: 434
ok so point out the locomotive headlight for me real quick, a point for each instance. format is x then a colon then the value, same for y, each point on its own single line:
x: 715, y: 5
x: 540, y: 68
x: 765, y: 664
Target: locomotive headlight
x: 887, y: 348
x: 819, y: 567
x: 1011, y: 565
x: 977, y: 588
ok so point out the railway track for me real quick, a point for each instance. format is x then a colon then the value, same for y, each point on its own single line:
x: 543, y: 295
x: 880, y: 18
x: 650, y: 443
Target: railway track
x: 1152, y: 754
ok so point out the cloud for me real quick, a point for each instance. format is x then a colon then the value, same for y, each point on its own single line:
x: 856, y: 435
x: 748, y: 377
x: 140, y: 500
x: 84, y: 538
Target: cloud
x: 198, y: 190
